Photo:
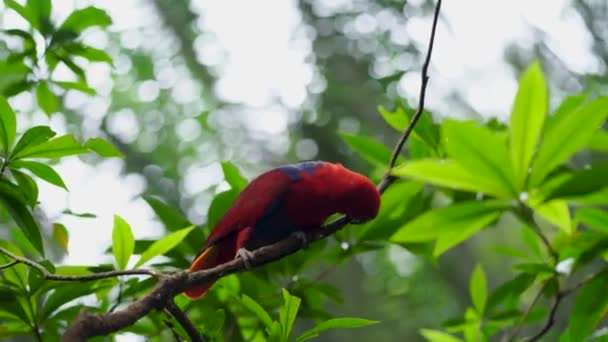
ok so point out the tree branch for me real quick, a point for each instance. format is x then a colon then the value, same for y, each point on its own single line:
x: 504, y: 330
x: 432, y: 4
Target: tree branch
x: 184, y: 321
x: 170, y: 285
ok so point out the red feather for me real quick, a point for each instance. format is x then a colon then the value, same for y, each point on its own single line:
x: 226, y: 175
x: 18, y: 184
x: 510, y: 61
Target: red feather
x: 282, y: 201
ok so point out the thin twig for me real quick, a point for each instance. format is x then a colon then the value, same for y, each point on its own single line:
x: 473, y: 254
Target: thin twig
x: 89, y: 277
x: 184, y: 321
x: 388, y: 178
x: 515, y: 332
x: 528, y: 217
x: 9, y: 264
x: 88, y: 325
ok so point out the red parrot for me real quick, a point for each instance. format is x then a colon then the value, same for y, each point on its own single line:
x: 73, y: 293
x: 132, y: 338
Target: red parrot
x: 280, y: 202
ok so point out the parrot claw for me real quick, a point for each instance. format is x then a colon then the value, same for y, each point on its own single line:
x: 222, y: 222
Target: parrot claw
x: 246, y: 256
x: 300, y: 235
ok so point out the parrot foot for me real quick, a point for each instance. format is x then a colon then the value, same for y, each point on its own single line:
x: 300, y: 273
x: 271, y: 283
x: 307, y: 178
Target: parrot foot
x: 300, y: 235
x: 246, y: 256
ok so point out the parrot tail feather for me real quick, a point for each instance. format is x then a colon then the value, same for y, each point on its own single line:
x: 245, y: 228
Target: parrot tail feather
x: 209, y: 258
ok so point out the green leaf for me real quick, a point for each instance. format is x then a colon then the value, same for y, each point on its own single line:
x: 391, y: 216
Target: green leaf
x: 594, y: 218
x: 81, y: 215
x: 599, y: 141
x: 82, y: 19
x: 590, y: 306
x: 566, y: 137
x: 41, y: 171
x: 478, y: 289
x: 24, y: 219
x: 27, y: 186
x: 581, y: 182
x: 88, y: 52
x: 80, y: 86
x: 570, y: 105
x: 103, y: 148
x: 450, y: 174
x: 220, y: 204
x: 233, y: 176
x: 335, y: 323
x: 46, y: 99
x: 32, y: 137
x: 438, y: 336
x: 527, y: 118
x: 8, y: 125
x: 172, y: 218
x: 468, y: 216
x: 481, y: 151
x: 163, y: 245
x: 24, y: 12
x: 287, y: 314
x: 65, y: 145
x: 369, y: 149
x: 397, y: 119
x: 123, y: 242
x: 68, y: 292
x: 60, y: 235
x: 510, y: 291
x: 556, y: 212
x: 257, y: 310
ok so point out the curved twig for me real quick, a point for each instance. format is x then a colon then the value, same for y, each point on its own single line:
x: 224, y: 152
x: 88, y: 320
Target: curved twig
x: 184, y: 321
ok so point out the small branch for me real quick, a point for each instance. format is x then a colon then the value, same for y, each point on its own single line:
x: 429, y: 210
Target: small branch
x: 515, y: 332
x: 388, y: 178
x: 96, y: 276
x: 184, y: 321
x: 170, y: 285
x: 10, y: 264
x: 528, y: 217
x: 550, y: 320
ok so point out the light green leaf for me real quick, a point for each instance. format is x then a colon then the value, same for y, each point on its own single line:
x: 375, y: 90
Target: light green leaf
x: 478, y: 289
x: 566, y: 137
x: 24, y: 12
x: 481, y: 151
x: 61, y: 237
x: 103, y: 148
x: 568, y: 106
x: 46, y: 99
x: 599, y: 141
x: 397, y: 119
x: 27, y: 186
x: 82, y: 19
x: 80, y: 86
x: 451, y: 174
x: 369, y: 149
x: 582, y: 182
x: 88, y: 52
x: 8, y: 126
x: 62, y: 146
x: 594, y: 218
x: 437, y: 222
x: 287, y: 314
x: 172, y: 218
x: 590, y: 306
x: 335, y: 323
x: 438, y: 336
x: 527, y: 118
x: 32, y: 137
x: 24, y: 219
x: 233, y: 176
x: 123, y: 242
x: 163, y: 245
x: 557, y: 213
x: 40, y: 170
x: 257, y: 310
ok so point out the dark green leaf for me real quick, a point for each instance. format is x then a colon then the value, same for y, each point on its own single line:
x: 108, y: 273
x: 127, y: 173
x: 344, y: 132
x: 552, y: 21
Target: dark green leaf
x: 163, y: 245
x: 590, y: 306
x: 27, y: 186
x: 103, y: 148
x: 82, y: 19
x: 82, y: 215
x: 66, y: 293
x: 46, y: 99
x: 581, y: 182
x: 41, y: 171
x: 599, y: 141
x: 88, y: 52
x: 24, y: 12
x: 10, y: 190
x: 527, y: 118
x: 61, y: 237
x: 287, y: 314
x: 566, y: 137
x: 24, y: 219
x: 369, y: 149
x: 8, y: 126
x: 510, y: 291
x: 449, y: 173
x: 594, y: 218
x: 438, y: 336
x: 123, y: 242
x: 65, y: 145
x: 40, y: 12
x: 32, y: 137
x: 481, y: 151
x: 478, y: 289
x: 233, y: 176
x: 29, y: 45
x: 335, y: 323
x: 172, y: 218
x: 220, y: 205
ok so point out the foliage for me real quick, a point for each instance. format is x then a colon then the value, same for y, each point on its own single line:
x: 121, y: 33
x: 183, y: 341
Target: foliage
x: 458, y: 179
